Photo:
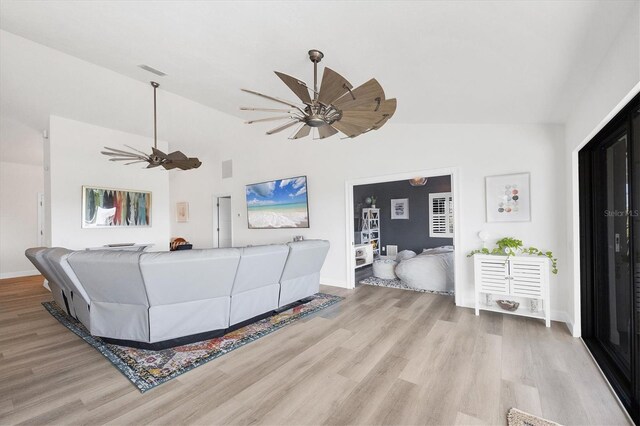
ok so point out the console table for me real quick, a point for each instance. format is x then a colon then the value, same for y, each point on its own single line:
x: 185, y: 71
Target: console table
x: 520, y: 278
x: 123, y: 246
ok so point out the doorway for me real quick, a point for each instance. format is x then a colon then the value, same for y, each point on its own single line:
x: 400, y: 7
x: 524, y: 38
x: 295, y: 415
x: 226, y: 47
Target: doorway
x: 353, y: 252
x: 610, y: 243
x: 223, y: 227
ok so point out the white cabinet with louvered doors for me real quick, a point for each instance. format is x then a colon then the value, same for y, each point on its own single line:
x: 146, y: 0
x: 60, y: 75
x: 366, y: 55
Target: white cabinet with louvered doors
x: 520, y: 278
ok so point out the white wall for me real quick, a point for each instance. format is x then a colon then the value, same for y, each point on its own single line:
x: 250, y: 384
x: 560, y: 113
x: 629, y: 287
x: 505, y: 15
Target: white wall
x: 75, y: 160
x: 616, y: 79
x: 476, y: 150
x: 19, y: 188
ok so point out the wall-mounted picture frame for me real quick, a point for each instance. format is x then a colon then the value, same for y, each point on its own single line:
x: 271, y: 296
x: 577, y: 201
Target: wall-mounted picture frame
x: 278, y: 204
x: 400, y: 208
x: 508, y: 198
x: 113, y: 207
x: 182, y: 212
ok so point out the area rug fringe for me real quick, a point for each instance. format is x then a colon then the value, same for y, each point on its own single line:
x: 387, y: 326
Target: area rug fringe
x: 517, y: 417
x: 381, y: 282
x: 135, y: 364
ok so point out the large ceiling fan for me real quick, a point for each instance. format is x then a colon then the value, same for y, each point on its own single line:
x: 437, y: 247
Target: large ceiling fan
x: 157, y: 158
x: 335, y: 107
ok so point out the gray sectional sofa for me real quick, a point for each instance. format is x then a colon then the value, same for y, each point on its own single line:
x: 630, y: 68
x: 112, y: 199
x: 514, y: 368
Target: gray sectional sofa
x: 156, y: 300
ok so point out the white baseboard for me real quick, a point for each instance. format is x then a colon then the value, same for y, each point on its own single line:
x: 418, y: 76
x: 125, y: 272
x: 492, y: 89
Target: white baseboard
x: 333, y: 283
x: 19, y: 274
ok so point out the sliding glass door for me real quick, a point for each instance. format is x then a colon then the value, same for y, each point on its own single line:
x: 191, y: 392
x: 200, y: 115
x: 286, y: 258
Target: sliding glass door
x: 610, y: 239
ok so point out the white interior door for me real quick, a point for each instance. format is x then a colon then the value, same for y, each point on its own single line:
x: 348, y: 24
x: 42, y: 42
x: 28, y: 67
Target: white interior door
x: 224, y: 221
x: 41, y: 237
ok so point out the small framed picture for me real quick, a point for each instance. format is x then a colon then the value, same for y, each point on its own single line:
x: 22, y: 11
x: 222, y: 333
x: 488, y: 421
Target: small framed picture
x: 508, y: 198
x: 182, y: 212
x: 400, y: 208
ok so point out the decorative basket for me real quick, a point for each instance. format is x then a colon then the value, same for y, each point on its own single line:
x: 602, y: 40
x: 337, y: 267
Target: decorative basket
x: 508, y: 305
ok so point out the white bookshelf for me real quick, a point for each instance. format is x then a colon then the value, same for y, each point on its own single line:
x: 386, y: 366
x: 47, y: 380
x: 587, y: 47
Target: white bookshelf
x: 370, y: 233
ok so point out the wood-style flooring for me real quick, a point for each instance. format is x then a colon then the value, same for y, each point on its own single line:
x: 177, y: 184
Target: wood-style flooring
x: 381, y: 356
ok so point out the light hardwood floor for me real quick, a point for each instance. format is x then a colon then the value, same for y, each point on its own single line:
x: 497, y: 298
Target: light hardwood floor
x: 381, y: 356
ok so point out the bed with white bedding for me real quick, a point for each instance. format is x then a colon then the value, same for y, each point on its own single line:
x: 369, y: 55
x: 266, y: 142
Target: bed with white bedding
x: 431, y: 270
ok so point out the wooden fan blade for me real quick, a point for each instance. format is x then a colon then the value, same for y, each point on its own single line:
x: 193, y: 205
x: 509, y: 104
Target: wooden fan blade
x: 298, y: 87
x: 282, y: 117
x: 366, y: 94
x: 326, y: 131
x: 364, y: 119
x: 156, y: 152
x: 351, y: 130
x: 118, y: 151
x: 176, y: 156
x: 272, y: 98
x: 333, y: 86
x: 283, y: 127
x: 128, y: 159
x: 302, y: 133
x: 136, y: 150
x: 120, y: 154
x: 266, y: 109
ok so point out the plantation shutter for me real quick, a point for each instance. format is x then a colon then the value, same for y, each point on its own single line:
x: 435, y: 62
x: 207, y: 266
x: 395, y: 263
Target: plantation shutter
x: 441, y: 215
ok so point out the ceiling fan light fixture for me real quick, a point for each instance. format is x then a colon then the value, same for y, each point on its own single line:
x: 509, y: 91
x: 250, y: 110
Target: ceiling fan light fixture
x: 173, y: 160
x: 332, y: 108
x: 418, y: 181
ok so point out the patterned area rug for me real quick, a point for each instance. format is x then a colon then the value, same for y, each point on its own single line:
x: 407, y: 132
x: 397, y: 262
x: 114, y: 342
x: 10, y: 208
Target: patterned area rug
x: 396, y: 283
x: 147, y: 369
x: 516, y: 417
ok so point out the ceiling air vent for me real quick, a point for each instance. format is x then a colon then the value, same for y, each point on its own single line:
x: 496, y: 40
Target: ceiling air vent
x: 152, y: 70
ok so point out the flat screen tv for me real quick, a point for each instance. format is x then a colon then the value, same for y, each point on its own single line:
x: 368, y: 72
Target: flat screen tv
x: 278, y: 204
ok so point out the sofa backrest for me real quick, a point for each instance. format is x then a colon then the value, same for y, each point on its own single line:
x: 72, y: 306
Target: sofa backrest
x: 260, y: 266
x: 305, y: 258
x: 186, y: 275
x: 36, y: 256
x: 57, y: 258
x: 111, y: 276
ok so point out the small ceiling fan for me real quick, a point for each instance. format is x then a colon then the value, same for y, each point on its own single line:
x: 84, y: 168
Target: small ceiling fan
x: 157, y: 158
x: 335, y: 107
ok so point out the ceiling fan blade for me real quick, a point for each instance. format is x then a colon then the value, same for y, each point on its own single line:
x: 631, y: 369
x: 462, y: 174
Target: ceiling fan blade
x: 350, y: 130
x: 326, y: 131
x: 176, y: 156
x: 388, y: 108
x: 283, y: 127
x: 365, y: 119
x: 333, y: 86
x: 302, y: 132
x: 134, y: 162
x: 282, y: 117
x: 152, y: 165
x: 113, y: 151
x: 368, y: 93
x: 266, y: 109
x: 298, y: 87
x: 282, y: 101
x: 137, y: 150
x: 128, y: 159
x: 156, y: 152
x: 120, y: 154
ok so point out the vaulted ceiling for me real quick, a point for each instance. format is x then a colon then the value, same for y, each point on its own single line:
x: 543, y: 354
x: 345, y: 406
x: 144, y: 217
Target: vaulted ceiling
x: 446, y: 62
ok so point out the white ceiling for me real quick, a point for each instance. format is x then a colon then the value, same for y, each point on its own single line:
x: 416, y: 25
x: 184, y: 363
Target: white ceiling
x: 445, y: 62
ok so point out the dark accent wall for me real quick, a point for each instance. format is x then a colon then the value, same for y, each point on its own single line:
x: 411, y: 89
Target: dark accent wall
x: 411, y: 234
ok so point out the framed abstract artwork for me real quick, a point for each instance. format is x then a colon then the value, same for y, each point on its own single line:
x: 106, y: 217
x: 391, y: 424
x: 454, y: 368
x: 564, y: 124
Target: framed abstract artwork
x: 110, y: 207
x: 278, y: 203
x: 508, y: 198
x: 400, y: 208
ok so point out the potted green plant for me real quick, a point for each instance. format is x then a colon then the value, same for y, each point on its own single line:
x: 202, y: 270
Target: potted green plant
x: 512, y: 247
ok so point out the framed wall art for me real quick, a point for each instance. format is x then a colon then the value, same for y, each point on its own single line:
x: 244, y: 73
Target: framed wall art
x: 400, y: 208
x: 109, y: 207
x: 508, y: 198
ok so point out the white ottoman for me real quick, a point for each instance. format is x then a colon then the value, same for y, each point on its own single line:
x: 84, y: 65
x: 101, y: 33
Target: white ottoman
x: 384, y: 267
